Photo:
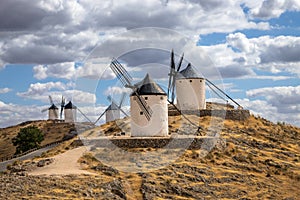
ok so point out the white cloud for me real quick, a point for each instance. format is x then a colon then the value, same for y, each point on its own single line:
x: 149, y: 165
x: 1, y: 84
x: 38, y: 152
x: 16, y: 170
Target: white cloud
x: 90, y: 69
x: 240, y: 41
x: 274, y: 78
x: 49, y: 32
x: 5, y: 90
x: 12, y: 114
x: 266, y: 110
x: 239, y: 56
x: 268, y: 9
x: 281, y: 97
x: 41, y: 91
x: 95, y: 69
x: 265, y: 49
x: 283, y: 100
x: 61, y: 70
x: 80, y: 97
x: 116, y: 90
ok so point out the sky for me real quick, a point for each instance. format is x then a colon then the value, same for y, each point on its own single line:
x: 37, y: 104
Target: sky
x: 250, y: 49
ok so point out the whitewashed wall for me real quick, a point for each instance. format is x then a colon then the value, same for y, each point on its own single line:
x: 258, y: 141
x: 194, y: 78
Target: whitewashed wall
x: 190, y: 93
x: 70, y: 115
x: 112, y: 115
x: 158, y: 125
x: 53, y: 114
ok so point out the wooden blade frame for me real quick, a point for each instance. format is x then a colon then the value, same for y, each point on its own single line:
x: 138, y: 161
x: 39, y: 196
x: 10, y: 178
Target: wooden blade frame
x: 126, y: 80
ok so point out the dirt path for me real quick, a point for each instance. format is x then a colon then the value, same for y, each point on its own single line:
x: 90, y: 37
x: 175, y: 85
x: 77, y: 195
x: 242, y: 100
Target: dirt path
x: 64, y: 164
x: 28, y: 156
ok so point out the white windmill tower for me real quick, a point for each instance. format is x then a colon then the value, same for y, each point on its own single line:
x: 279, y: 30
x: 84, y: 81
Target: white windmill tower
x: 190, y: 90
x: 148, y: 104
x: 52, y: 110
x: 156, y: 99
x: 70, y: 112
x: 112, y: 112
x: 190, y: 87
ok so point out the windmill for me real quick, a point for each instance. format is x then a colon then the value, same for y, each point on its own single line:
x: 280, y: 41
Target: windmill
x: 52, y: 110
x: 113, y: 110
x: 126, y: 81
x: 70, y: 111
x: 190, y: 90
x: 188, y: 83
x: 145, y: 96
x: 173, y: 76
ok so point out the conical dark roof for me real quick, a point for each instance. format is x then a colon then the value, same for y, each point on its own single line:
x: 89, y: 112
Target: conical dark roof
x: 113, y: 106
x: 53, y: 107
x: 149, y: 87
x: 70, y: 106
x: 188, y: 72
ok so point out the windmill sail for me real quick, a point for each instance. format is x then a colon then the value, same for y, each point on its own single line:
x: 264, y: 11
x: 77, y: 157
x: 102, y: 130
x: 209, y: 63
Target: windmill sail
x: 126, y: 80
x: 171, y: 87
x: 113, y: 104
x: 172, y: 76
x: 62, y: 105
x: 52, y: 109
x: 121, y: 73
x: 119, y: 106
x: 100, y: 116
x: 84, y: 115
x: 222, y: 92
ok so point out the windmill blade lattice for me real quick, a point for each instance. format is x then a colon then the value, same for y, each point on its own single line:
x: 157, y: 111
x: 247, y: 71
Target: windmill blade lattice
x: 100, y: 116
x: 121, y: 73
x: 84, y: 115
x: 171, y: 88
x: 51, y: 100
x: 174, y: 78
x: 222, y: 92
x: 171, y: 75
x: 126, y: 80
x: 110, y: 99
x: 122, y: 99
x: 62, y: 106
x: 44, y: 110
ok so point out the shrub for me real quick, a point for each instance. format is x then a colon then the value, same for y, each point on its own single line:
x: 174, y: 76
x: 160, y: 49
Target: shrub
x: 28, y: 138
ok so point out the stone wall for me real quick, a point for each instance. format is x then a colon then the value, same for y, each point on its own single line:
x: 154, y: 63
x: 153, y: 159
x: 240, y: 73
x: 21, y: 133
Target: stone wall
x: 168, y: 143
x: 239, y: 115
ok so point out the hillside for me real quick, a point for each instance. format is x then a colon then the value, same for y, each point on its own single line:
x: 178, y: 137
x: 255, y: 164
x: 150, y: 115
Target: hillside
x: 258, y: 160
x: 52, y: 131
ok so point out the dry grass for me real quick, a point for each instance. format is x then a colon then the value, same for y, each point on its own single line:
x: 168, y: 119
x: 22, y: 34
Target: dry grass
x: 52, y: 132
x: 261, y: 160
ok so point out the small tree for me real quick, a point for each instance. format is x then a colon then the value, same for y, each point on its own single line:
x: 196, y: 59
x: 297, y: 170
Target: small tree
x: 28, y: 138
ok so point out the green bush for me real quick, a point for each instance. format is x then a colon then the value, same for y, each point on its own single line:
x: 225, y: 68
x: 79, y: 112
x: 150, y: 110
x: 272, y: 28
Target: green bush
x: 28, y: 138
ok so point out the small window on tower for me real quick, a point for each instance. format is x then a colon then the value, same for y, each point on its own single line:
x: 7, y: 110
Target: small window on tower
x: 200, y: 81
x: 141, y: 113
x: 146, y: 98
x: 161, y: 98
x: 191, y: 81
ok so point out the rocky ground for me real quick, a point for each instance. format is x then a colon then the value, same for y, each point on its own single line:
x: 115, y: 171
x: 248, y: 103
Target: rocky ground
x: 260, y: 160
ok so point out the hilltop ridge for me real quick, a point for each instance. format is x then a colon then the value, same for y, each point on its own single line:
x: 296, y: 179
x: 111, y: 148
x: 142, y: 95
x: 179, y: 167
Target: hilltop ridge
x: 52, y: 130
x: 260, y: 160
